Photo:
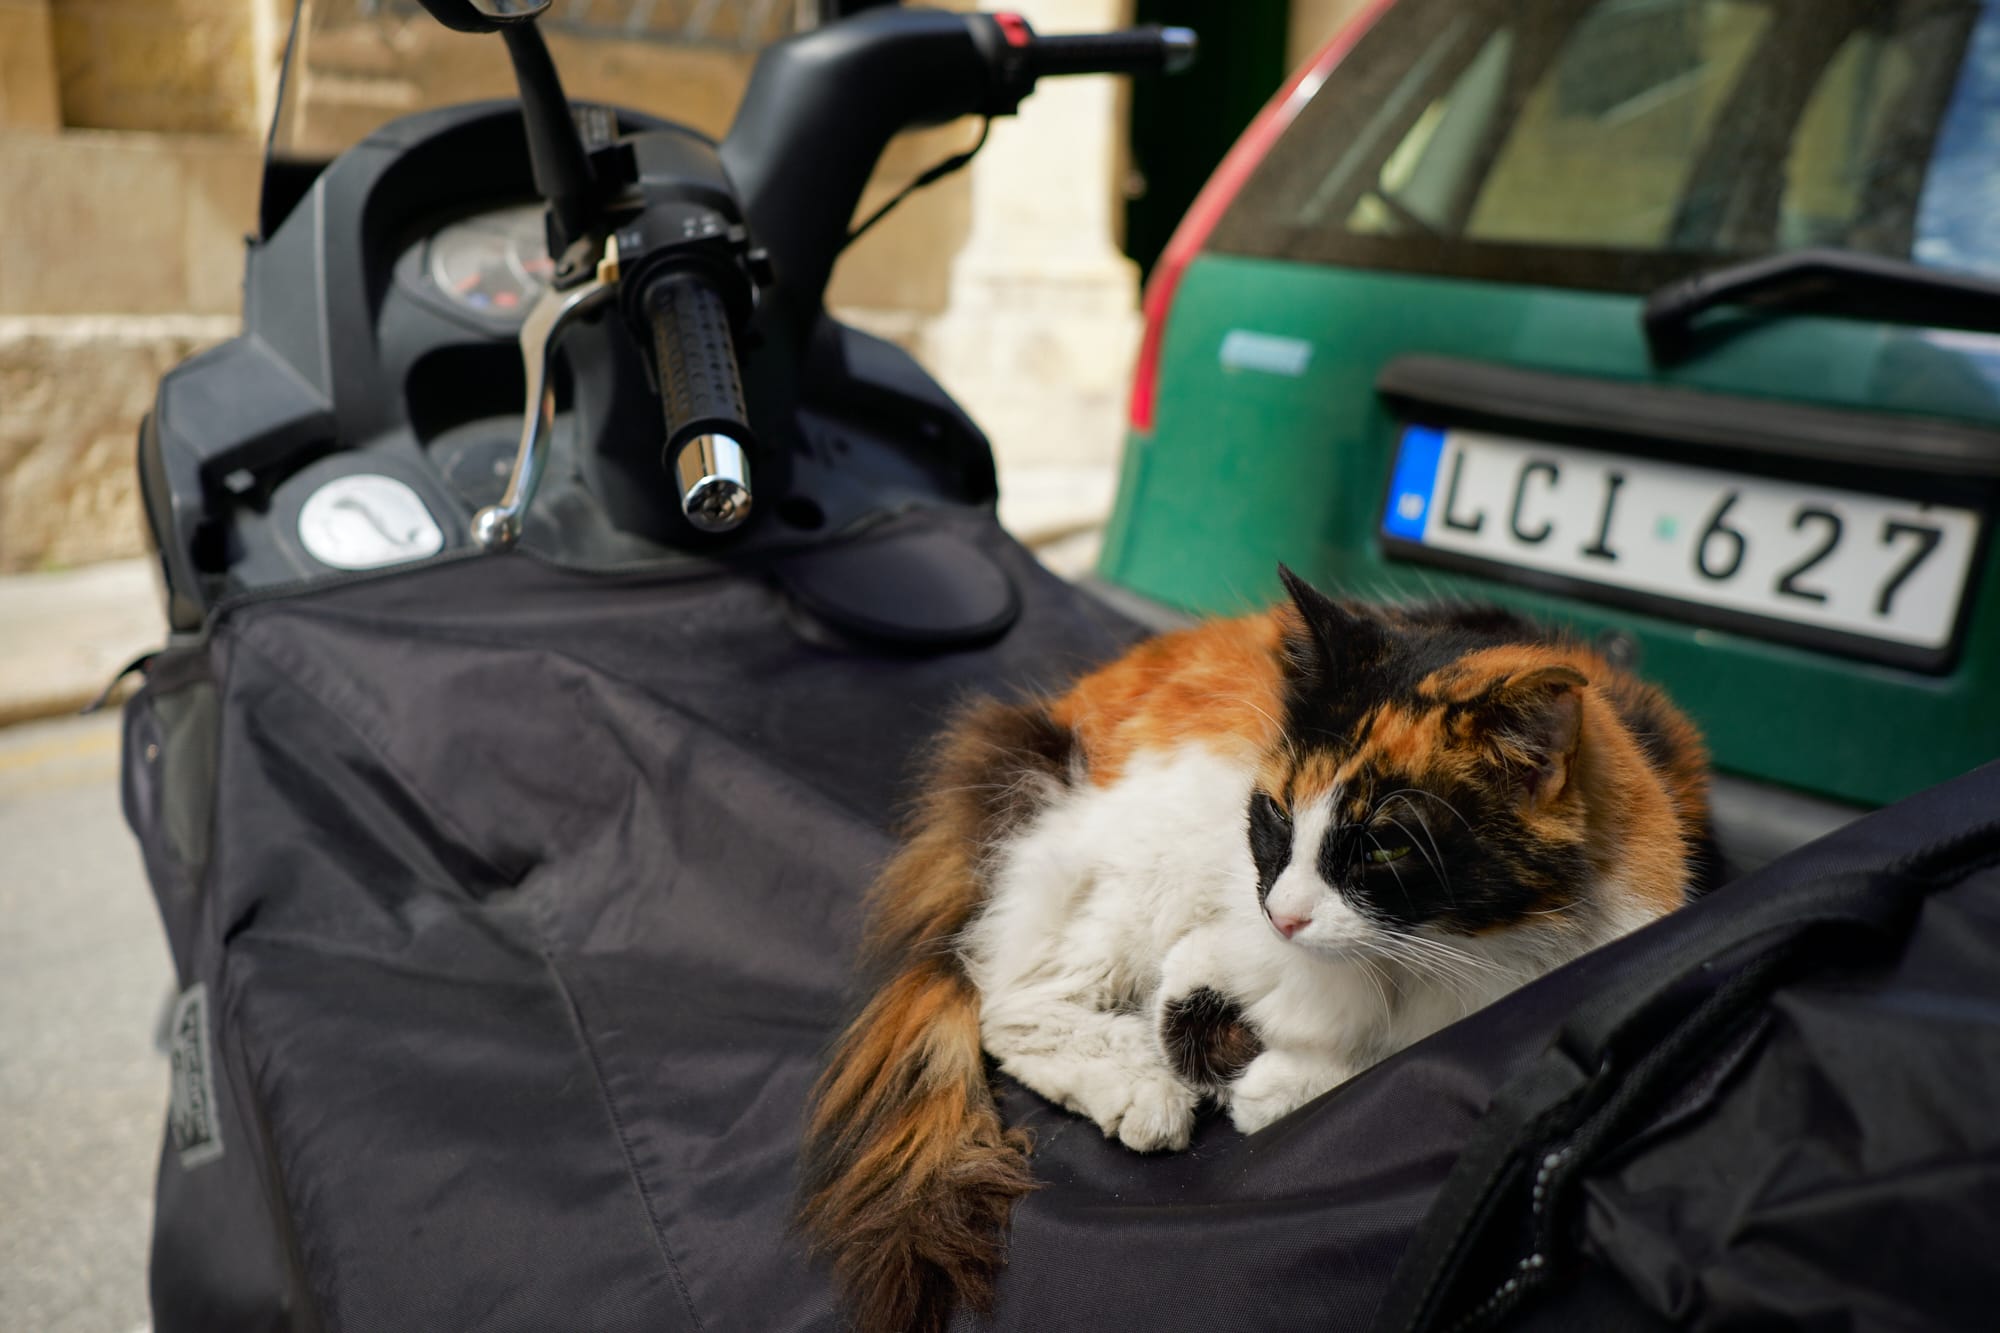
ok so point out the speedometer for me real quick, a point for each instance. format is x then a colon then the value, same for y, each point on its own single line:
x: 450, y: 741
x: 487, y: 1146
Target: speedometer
x: 495, y: 263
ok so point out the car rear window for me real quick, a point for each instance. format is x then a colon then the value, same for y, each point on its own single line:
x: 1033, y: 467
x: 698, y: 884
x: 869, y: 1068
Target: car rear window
x: 1619, y: 144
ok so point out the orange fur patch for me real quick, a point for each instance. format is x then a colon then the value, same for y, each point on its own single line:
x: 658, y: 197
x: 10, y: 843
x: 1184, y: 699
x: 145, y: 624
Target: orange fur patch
x: 1639, y: 833
x: 1311, y: 778
x: 1220, y: 682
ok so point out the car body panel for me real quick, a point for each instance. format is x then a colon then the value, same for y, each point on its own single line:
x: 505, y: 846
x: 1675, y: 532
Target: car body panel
x: 1266, y: 460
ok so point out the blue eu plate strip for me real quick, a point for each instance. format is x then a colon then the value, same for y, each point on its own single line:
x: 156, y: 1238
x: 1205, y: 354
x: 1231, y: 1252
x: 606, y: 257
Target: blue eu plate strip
x: 1416, y: 479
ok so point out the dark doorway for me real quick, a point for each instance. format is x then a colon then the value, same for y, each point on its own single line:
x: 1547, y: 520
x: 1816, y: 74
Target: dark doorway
x: 1182, y: 126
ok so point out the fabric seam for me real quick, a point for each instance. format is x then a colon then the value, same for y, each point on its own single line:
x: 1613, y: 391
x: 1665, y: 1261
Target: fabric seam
x: 610, y: 1104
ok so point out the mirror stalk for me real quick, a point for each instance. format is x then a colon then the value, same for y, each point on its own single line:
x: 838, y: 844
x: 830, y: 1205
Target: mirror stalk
x: 555, y: 148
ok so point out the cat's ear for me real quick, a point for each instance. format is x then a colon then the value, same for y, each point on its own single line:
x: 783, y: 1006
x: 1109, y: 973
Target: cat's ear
x: 1329, y: 641
x: 1532, y: 723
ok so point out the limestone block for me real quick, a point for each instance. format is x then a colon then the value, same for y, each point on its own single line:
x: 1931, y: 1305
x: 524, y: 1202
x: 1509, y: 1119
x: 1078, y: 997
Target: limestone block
x: 1044, y: 375
x: 157, y: 64
x: 71, y: 394
x: 220, y: 186
x: 28, y: 98
x: 134, y: 223
x: 1042, y: 323
x: 360, y: 74
x: 62, y: 635
x: 104, y: 219
x: 904, y: 262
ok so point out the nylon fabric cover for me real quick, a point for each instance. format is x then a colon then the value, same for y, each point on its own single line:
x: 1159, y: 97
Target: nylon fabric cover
x: 1827, y: 1160
x: 525, y: 901
x: 1842, y: 1169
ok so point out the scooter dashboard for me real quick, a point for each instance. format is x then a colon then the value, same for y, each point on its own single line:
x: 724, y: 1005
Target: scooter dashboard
x: 491, y: 266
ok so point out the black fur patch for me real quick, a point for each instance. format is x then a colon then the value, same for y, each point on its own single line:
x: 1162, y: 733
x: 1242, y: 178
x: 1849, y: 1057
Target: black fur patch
x: 1355, y: 656
x: 1009, y: 754
x: 1207, y: 1038
x: 1270, y: 841
x: 1451, y: 878
x: 1645, y: 715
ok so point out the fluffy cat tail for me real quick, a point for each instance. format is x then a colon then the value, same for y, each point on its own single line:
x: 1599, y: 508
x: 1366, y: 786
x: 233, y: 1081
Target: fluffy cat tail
x: 908, y: 1174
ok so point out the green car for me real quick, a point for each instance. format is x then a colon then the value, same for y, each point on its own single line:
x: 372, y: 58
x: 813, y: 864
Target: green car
x: 1661, y: 319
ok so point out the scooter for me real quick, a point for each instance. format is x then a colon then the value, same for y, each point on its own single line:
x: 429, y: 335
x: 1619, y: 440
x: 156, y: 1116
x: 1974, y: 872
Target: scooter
x: 560, y: 599
x: 660, y: 314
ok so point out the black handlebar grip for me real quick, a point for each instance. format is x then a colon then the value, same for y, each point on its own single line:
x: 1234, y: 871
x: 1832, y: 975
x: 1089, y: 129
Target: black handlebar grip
x: 1148, y: 50
x: 708, y: 441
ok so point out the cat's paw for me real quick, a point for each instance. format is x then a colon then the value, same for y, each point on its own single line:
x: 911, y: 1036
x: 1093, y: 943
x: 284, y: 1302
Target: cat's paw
x: 1161, y: 1115
x: 1277, y: 1083
x: 1149, y: 1111
x: 1133, y: 1100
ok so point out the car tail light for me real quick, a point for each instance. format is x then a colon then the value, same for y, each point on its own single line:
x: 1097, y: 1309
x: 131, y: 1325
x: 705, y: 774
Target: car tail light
x: 1220, y: 191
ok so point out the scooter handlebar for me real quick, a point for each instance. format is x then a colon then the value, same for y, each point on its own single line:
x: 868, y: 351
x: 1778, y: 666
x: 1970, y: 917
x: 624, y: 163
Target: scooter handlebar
x: 708, y: 443
x: 1152, y: 49
x: 822, y: 105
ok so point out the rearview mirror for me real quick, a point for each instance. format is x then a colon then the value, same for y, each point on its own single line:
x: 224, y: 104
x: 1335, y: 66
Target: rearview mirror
x: 483, y: 15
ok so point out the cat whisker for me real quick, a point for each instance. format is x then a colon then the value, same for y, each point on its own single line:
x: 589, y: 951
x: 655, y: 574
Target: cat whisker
x: 1246, y: 701
x: 1399, y: 947
x: 1452, y: 810
x: 1450, y: 956
x: 1375, y: 982
x: 1444, y: 946
x: 1438, y: 969
x: 1432, y: 856
x: 1438, y: 964
x: 1560, y: 910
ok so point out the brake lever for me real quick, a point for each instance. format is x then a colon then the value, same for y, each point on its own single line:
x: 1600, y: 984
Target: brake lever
x: 498, y: 527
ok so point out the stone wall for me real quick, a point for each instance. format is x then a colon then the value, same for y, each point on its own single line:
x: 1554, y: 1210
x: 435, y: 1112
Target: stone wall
x: 1043, y: 320
x: 72, y: 391
x: 125, y: 258
x: 28, y: 96
x: 157, y: 65
x: 102, y: 222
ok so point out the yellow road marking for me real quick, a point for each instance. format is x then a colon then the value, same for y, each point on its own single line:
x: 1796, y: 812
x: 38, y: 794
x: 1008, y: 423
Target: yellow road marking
x: 96, y: 741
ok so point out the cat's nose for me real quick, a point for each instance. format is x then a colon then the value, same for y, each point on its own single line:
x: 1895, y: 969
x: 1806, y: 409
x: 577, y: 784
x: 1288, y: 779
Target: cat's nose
x: 1289, y: 926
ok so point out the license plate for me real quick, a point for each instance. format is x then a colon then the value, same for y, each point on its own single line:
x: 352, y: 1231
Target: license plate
x: 1840, y: 568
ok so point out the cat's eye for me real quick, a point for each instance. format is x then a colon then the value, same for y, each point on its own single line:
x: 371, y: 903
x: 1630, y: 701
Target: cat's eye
x: 1381, y: 856
x: 1269, y: 805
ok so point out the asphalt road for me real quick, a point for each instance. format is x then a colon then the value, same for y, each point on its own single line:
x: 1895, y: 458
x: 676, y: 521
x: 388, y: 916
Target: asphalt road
x: 83, y: 976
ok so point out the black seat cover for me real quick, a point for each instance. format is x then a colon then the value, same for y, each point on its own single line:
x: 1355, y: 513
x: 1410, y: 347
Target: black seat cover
x: 521, y: 902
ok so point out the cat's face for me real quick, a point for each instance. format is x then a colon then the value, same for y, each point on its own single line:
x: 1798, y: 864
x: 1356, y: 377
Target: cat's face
x: 1424, y: 787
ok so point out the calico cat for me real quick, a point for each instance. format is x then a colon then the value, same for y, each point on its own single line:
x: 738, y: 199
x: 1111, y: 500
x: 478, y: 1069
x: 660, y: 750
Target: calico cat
x: 1244, y: 861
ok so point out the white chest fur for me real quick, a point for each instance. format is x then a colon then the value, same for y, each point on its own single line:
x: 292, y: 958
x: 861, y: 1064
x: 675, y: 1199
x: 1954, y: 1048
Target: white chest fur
x: 1115, y: 901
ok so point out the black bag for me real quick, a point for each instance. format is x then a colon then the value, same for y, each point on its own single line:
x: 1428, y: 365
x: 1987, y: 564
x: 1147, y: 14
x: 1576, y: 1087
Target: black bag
x: 514, y: 907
